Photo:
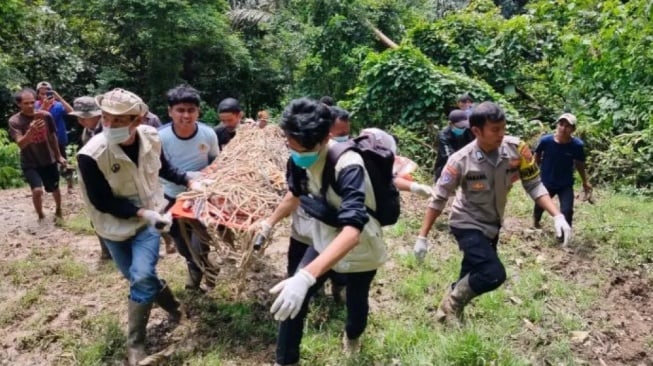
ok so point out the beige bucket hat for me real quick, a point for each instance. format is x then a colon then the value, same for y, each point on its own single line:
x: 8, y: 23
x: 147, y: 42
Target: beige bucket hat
x: 121, y: 102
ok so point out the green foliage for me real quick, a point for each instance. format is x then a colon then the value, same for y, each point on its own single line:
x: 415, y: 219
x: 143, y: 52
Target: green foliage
x: 403, y: 87
x: 338, y: 40
x: 10, y: 173
x: 626, y: 161
x: 588, y: 57
x: 412, y: 144
x: 511, y: 55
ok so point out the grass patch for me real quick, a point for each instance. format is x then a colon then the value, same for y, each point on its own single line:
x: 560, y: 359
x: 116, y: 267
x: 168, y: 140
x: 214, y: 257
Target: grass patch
x: 18, y: 309
x: 102, y: 342
x: 620, y: 227
x: 78, y: 223
x: 233, y: 323
x: 55, y: 263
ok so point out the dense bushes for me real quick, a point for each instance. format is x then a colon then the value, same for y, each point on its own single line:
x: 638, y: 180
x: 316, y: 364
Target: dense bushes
x: 593, y: 58
x: 403, y: 87
x: 10, y: 174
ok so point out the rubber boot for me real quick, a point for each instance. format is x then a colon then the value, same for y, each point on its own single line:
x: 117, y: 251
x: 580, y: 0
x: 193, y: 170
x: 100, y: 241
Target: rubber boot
x: 137, y: 324
x: 166, y: 300
x: 451, y: 308
x: 193, y: 279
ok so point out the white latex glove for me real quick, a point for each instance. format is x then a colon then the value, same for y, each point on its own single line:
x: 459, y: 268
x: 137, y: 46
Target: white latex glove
x: 194, y: 175
x: 421, y: 189
x: 158, y: 221
x: 196, y: 185
x: 167, y: 220
x: 264, y: 229
x: 563, y: 230
x: 293, y: 291
x: 420, y: 248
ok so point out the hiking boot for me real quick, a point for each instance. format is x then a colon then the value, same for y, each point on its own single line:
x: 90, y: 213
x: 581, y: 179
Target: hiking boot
x: 138, y: 315
x: 451, y: 308
x: 352, y: 347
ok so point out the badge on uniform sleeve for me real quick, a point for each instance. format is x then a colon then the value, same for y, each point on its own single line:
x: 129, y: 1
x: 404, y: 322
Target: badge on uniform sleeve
x: 525, y: 151
x: 449, y: 175
x: 528, y: 169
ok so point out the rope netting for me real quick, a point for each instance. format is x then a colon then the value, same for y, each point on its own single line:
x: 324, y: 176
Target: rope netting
x: 242, y: 186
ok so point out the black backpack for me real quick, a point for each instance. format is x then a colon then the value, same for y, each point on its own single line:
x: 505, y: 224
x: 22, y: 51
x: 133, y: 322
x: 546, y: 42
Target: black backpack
x: 378, y: 161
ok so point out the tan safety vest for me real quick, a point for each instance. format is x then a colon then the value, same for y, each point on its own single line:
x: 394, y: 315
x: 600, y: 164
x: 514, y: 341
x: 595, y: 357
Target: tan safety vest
x: 139, y: 184
x: 370, y: 252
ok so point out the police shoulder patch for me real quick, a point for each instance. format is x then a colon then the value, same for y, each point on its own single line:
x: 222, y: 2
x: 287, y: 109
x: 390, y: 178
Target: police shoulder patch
x: 449, y: 174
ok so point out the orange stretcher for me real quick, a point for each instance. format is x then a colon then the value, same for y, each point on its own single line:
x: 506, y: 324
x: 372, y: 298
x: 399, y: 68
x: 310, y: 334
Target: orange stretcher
x: 210, y: 218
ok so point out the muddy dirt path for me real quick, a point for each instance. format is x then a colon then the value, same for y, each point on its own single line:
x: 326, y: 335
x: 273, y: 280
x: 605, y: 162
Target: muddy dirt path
x: 48, y: 305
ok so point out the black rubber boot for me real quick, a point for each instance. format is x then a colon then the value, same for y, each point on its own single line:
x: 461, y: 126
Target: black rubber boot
x: 137, y: 324
x: 166, y: 300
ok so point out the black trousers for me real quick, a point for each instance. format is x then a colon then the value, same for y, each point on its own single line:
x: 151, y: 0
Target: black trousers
x: 292, y: 330
x: 480, y: 260
x: 296, y: 251
x: 182, y: 248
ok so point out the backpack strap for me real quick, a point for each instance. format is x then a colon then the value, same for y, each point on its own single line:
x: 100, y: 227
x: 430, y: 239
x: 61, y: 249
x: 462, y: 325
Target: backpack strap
x: 329, y: 171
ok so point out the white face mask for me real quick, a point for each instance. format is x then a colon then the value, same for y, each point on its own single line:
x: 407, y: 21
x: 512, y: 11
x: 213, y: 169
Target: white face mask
x: 117, y: 135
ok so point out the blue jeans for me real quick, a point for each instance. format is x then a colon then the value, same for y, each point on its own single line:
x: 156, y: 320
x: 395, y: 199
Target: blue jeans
x: 136, y: 259
x: 566, y: 198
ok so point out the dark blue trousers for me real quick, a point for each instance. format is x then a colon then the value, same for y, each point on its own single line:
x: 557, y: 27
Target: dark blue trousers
x: 566, y: 198
x: 480, y: 260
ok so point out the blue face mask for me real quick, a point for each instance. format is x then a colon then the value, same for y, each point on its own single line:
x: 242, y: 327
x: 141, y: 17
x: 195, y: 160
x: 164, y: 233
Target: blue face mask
x: 457, y: 131
x: 304, y: 160
x: 341, y: 138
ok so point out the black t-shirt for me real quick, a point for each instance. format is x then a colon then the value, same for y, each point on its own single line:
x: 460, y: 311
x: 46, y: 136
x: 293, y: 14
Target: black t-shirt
x: 224, y: 135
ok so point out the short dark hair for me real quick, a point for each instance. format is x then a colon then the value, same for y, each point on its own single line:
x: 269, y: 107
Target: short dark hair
x: 486, y: 112
x: 339, y: 113
x: 183, y: 94
x: 465, y: 97
x: 18, y: 97
x: 229, y: 105
x: 307, y: 121
x: 328, y: 100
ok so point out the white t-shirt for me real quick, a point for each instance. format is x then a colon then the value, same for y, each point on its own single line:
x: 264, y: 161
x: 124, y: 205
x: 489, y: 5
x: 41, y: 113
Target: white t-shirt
x: 190, y: 154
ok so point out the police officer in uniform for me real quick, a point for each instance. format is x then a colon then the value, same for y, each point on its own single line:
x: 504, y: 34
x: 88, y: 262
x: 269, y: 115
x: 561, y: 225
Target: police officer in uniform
x: 481, y: 174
